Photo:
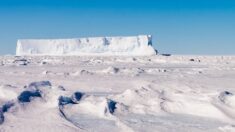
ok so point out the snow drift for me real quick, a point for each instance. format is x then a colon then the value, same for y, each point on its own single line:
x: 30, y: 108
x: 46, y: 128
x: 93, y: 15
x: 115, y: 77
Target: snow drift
x: 135, y: 45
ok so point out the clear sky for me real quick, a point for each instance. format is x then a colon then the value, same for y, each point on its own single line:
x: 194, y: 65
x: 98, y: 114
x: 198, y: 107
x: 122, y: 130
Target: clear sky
x: 177, y: 26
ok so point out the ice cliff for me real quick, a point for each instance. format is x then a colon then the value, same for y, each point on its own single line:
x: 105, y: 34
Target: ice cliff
x: 134, y: 45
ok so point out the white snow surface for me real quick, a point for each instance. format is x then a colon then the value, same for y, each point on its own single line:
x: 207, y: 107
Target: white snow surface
x: 118, y: 93
x: 134, y: 45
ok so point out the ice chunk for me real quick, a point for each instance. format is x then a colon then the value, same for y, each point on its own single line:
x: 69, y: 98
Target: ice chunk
x: 26, y: 96
x: 77, y: 96
x: 22, y: 62
x: 111, y: 106
x: 74, y: 99
x: 4, y: 109
x: 7, y: 106
x: 134, y: 45
x: 1, y: 117
x: 65, y: 100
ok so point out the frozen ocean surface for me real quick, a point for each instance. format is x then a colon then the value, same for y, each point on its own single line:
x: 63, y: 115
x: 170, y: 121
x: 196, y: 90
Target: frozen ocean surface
x: 131, y: 94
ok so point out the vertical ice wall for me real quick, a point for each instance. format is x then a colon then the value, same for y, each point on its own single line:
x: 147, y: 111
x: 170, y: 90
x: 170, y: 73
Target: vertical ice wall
x: 134, y: 45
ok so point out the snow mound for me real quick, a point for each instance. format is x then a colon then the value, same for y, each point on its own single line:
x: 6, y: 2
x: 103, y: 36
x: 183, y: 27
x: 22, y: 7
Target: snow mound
x: 7, y: 93
x: 200, y: 105
x: 39, y: 98
x: 226, y: 103
x: 134, y: 101
x: 90, y: 105
x: 227, y: 98
x: 134, y: 45
x: 89, y: 110
x: 39, y: 85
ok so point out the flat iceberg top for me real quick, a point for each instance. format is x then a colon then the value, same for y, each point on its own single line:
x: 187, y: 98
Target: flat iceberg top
x: 134, y: 45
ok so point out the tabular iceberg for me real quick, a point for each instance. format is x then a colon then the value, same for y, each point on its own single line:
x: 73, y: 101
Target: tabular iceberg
x: 134, y: 45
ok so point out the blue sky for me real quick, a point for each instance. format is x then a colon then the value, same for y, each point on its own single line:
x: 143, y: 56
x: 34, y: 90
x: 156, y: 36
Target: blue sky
x: 178, y: 26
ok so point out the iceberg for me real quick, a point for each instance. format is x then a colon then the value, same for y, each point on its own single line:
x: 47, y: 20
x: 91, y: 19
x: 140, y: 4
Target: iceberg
x: 140, y: 45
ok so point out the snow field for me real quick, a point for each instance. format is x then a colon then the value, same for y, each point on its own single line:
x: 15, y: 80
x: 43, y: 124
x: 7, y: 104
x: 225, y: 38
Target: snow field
x: 117, y: 93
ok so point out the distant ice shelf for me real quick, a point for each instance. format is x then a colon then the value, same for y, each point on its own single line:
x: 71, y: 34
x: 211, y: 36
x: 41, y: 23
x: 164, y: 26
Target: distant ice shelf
x: 133, y: 45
